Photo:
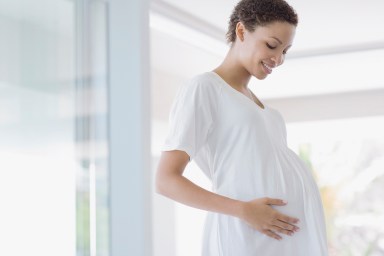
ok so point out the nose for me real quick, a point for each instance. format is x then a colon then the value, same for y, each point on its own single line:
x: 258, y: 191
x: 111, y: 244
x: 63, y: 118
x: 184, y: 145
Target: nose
x: 278, y: 59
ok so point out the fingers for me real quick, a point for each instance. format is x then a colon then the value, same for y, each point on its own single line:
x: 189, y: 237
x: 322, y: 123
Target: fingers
x: 271, y: 222
x: 274, y: 201
x: 272, y: 234
x: 273, y: 230
x: 286, y: 226
x: 282, y: 223
x: 282, y: 217
x: 287, y: 219
x: 282, y: 230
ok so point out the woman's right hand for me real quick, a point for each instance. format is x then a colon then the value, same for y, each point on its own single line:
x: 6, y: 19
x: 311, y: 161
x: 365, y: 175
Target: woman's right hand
x: 261, y: 216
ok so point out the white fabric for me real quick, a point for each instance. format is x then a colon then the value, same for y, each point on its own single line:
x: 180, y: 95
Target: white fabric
x: 242, y: 148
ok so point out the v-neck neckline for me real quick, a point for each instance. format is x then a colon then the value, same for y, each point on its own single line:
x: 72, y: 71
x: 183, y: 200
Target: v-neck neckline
x: 241, y: 94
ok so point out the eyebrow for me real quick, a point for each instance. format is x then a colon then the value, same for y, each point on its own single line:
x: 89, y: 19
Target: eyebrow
x: 277, y: 39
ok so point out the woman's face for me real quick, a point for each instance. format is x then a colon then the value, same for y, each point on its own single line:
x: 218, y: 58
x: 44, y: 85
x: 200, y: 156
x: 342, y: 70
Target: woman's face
x: 264, y: 49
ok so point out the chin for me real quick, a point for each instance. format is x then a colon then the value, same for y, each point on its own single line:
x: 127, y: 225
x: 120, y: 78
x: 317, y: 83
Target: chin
x: 260, y: 76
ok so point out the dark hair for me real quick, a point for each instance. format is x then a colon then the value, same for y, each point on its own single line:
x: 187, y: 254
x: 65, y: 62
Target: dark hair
x: 253, y: 13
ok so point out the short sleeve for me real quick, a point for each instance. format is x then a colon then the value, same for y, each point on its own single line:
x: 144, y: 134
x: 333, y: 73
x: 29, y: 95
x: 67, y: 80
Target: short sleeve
x: 191, y: 117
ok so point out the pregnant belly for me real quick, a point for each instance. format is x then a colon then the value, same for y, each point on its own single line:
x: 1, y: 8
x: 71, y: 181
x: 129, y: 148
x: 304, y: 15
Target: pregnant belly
x: 282, y: 175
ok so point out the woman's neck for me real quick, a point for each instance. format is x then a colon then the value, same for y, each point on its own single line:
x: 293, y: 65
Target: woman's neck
x: 233, y: 72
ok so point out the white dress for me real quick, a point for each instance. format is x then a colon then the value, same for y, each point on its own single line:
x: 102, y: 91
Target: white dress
x: 242, y: 148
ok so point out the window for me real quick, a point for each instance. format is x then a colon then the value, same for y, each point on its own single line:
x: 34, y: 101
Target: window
x: 53, y: 130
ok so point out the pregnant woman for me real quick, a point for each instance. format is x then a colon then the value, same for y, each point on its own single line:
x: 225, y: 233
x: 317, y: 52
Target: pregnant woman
x: 264, y: 200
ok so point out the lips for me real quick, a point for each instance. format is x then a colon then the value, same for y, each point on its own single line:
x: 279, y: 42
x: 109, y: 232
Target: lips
x: 267, y: 68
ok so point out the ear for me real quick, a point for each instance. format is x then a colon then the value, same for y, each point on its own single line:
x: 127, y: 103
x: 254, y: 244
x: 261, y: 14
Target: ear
x: 240, y: 31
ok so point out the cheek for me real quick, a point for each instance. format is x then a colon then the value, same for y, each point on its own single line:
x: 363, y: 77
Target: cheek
x: 256, y: 60
x: 253, y: 56
x: 247, y: 57
x: 250, y: 57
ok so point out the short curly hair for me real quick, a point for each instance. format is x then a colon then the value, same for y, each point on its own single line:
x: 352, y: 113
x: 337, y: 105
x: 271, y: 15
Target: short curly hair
x: 253, y: 13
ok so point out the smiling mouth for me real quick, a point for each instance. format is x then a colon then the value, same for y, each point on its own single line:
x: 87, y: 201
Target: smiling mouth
x: 268, y: 68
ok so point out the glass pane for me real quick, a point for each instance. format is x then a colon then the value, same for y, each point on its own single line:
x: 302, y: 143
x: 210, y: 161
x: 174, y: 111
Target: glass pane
x: 91, y: 129
x: 53, y: 112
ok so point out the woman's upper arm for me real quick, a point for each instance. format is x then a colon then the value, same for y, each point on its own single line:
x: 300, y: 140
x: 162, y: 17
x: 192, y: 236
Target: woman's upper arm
x: 171, y: 164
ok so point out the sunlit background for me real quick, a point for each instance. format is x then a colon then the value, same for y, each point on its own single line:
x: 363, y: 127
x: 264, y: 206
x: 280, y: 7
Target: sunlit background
x: 55, y: 125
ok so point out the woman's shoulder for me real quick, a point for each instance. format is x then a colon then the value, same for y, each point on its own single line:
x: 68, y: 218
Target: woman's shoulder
x: 205, y: 82
x: 276, y: 114
x: 200, y: 91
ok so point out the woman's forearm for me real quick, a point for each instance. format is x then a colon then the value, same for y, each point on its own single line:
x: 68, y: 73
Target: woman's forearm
x: 182, y: 190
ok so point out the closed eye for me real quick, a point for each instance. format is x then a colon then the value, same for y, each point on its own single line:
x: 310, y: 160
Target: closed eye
x: 274, y: 47
x: 286, y: 50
